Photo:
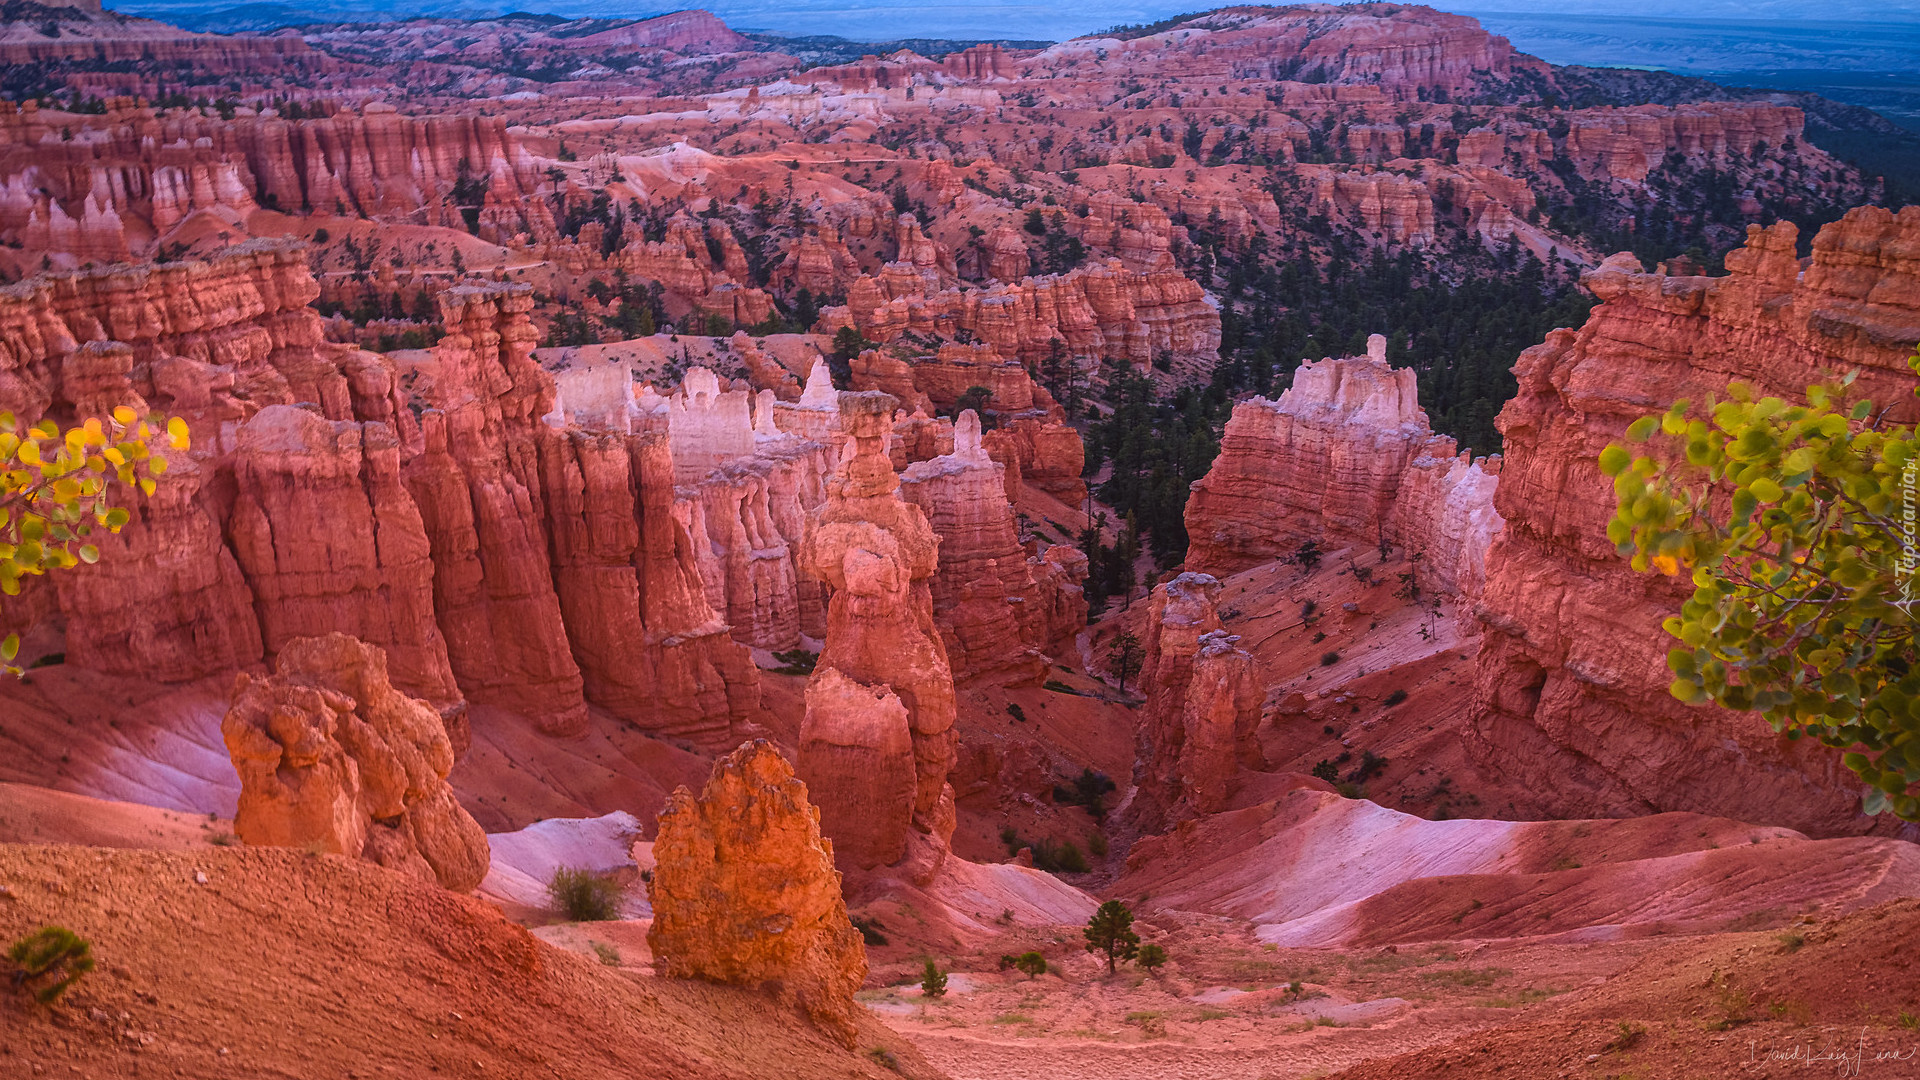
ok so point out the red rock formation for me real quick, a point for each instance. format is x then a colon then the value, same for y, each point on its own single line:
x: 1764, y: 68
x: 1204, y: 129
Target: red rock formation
x: 480, y: 548
x: 328, y: 539
x: 1571, y: 679
x: 692, y: 32
x: 1096, y: 310
x: 744, y: 891
x: 478, y: 487
x: 149, y: 170
x: 331, y: 756
x: 1005, y: 255
x: 997, y: 608
x: 88, y: 34
x: 1202, y: 705
x: 1343, y: 457
x: 1393, y: 50
x: 877, y: 554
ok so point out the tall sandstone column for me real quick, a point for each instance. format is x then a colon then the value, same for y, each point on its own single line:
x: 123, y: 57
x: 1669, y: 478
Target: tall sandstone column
x: 877, y: 554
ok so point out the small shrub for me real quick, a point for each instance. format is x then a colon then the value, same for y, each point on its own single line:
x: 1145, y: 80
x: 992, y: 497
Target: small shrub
x: 1097, y: 845
x: 1629, y: 1036
x: 1015, y: 711
x: 933, y: 981
x: 1067, y: 858
x: 1059, y: 687
x: 796, y: 661
x: 608, y: 955
x: 1151, y: 956
x: 1031, y: 964
x: 870, y: 929
x: 1790, y: 942
x: 885, y: 1057
x: 584, y: 896
x: 50, y: 960
x: 1371, y: 765
x: 1395, y: 698
x: 1327, y: 770
x: 1350, y: 790
x: 1910, y: 1021
x: 1319, y: 636
x: 1329, y: 659
x: 1089, y: 790
x: 1732, y: 1004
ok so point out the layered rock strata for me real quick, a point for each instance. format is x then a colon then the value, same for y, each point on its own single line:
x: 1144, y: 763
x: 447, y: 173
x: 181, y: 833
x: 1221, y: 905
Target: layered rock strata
x: 1097, y: 310
x: 1571, y: 679
x: 1203, y: 703
x: 744, y: 891
x: 997, y: 607
x: 332, y: 758
x: 141, y: 172
x: 494, y: 557
x: 1345, y: 456
x: 877, y: 555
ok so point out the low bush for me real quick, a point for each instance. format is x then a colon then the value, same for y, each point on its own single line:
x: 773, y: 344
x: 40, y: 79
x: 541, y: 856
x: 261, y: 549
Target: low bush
x: 49, y: 960
x: 796, y: 661
x: 584, y: 896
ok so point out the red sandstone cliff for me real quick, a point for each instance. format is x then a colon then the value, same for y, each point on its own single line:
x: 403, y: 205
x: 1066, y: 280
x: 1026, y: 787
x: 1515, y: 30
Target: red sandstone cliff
x: 493, y: 557
x: 997, y: 608
x: 144, y: 171
x: 1343, y: 457
x: 1571, y: 679
x: 1203, y: 703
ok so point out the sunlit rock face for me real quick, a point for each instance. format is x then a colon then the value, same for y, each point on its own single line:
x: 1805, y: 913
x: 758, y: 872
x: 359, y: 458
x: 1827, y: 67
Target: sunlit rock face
x: 744, y: 891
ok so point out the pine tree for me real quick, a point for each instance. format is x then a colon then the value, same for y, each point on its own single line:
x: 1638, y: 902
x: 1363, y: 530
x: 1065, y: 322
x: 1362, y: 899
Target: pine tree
x: 1110, y: 931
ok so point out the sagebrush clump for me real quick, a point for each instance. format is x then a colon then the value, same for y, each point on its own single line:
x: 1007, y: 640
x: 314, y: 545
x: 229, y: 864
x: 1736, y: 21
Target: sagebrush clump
x: 584, y: 896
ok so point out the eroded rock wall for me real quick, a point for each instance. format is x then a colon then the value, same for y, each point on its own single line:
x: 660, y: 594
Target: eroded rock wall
x: 1202, y: 706
x: 1571, y: 680
x: 492, y: 556
x: 1344, y: 457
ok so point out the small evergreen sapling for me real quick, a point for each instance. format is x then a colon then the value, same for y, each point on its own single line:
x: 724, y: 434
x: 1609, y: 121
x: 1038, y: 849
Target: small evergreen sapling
x: 1110, y: 931
x: 1151, y: 957
x: 933, y: 981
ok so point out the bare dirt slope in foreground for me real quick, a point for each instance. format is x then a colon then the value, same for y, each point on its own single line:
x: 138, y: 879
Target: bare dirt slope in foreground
x: 273, y: 963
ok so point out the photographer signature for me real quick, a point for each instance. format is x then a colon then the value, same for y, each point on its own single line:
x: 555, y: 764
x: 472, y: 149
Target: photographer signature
x: 1845, y: 1060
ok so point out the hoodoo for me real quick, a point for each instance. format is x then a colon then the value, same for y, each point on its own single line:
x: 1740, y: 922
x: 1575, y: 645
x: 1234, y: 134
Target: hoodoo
x: 609, y: 548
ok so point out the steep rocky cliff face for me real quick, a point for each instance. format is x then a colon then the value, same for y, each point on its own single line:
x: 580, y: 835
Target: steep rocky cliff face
x: 744, y: 891
x: 1345, y: 456
x: 331, y: 756
x: 142, y: 172
x: 997, y: 607
x: 85, y: 33
x: 1404, y: 53
x: 1571, y: 679
x: 877, y: 554
x: 1103, y: 310
x: 494, y: 557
